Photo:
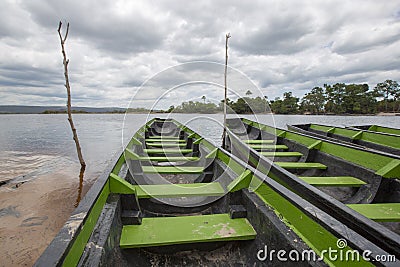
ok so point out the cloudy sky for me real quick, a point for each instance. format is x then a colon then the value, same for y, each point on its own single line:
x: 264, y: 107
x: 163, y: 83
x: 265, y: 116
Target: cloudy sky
x: 171, y: 51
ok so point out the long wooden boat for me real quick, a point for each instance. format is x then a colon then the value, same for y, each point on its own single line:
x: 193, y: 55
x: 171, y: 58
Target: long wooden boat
x: 328, y: 174
x: 172, y: 198
x: 386, y: 142
x: 378, y: 128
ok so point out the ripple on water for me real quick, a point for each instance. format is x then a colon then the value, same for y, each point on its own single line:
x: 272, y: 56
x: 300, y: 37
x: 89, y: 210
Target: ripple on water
x: 19, y: 166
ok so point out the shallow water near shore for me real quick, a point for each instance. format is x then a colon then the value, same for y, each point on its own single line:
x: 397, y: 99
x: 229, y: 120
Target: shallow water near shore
x: 39, y: 170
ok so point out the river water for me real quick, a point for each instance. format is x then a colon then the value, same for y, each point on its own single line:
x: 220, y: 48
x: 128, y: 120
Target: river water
x: 38, y: 158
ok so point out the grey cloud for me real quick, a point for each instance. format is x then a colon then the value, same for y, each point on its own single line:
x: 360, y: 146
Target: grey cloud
x: 26, y: 75
x: 94, y: 21
x: 285, y: 35
x: 363, y: 40
x: 115, y: 46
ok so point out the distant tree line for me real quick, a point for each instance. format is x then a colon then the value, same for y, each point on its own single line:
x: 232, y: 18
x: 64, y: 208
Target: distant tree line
x: 341, y: 98
x: 243, y: 105
x: 337, y: 98
x: 50, y: 111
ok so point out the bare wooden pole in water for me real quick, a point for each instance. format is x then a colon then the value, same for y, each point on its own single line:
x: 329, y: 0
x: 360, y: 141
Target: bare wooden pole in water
x: 227, y: 36
x: 71, y: 123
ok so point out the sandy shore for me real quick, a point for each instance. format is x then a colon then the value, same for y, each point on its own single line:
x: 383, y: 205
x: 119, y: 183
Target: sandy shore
x: 33, y: 213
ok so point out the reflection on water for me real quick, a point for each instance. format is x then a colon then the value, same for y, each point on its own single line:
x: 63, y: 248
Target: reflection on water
x: 80, y: 188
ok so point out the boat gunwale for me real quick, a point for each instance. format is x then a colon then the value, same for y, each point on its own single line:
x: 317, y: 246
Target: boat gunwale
x: 374, y: 126
x: 297, y: 130
x: 347, y: 128
x: 379, y: 148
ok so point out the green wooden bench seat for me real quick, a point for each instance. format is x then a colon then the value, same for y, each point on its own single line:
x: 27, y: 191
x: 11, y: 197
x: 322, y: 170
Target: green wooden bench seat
x: 167, y: 151
x: 154, y: 140
x: 259, y: 141
x: 179, y: 190
x: 268, y: 147
x: 172, y: 169
x: 165, y: 144
x: 160, y: 231
x: 347, y: 181
x: 380, y: 212
x: 281, y: 154
x: 169, y: 159
x: 301, y: 165
x: 163, y: 137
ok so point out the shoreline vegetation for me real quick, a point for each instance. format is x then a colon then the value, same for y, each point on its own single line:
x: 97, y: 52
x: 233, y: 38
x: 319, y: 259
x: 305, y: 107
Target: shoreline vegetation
x: 336, y: 99
x: 54, y: 112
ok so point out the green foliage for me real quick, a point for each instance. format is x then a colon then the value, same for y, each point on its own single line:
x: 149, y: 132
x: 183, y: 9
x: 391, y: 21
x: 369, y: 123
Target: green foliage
x: 314, y: 101
x: 349, y: 99
x: 342, y: 98
x: 390, y: 91
x: 196, y: 107
x: 244, y: 105
x: 248, y: 105
x: 289, y: 104
x: 338, y: 98
x: 357, y: 99
x: 49, y: 111
x: 137, y: 110
x: 334, y: 96
x: 171, y: 109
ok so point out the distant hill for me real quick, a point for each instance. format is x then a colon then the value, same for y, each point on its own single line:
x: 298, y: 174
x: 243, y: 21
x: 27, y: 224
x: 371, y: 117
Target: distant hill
x: 15, y: 109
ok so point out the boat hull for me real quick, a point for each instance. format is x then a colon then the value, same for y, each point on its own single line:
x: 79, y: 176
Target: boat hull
x: 280, y: 218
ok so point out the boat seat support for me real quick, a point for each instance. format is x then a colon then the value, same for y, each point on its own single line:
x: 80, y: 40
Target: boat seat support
x: 242, y: 181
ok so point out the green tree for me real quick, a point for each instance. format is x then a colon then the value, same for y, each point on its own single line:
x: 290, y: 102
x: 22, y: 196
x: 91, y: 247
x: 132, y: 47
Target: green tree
x: 276, y: 105
x: 196, y: 107
x: 314, y: 101
x: 257, y: 104
x: 387, y: 89
x: 334, y: 98
x: 289, y: 104
x: 368, y: 103
x: 353, y: 96
x: 396, y: 97
x: 229, y: 103
x: 241, y: 106
x: 171, y: 108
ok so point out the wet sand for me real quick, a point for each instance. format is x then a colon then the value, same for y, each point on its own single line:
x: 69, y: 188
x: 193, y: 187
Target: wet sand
x: 33, y: 213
